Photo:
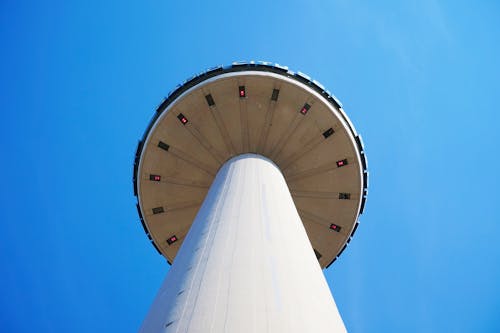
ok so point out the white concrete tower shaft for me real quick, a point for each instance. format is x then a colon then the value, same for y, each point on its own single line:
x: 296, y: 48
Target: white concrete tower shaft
x: 246, y: 264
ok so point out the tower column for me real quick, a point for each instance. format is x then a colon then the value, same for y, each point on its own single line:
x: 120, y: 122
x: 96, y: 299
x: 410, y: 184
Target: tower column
x: 246, y: 264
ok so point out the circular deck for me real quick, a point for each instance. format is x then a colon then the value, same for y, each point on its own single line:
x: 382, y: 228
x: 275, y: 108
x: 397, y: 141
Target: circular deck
x: 258, y: 108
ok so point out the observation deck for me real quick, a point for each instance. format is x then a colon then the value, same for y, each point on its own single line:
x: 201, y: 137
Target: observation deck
x: 259, y: 108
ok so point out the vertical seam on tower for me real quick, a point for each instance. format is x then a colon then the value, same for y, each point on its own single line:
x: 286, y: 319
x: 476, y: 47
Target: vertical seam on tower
x: 198, y: 264
x: 232, y: 250
x: 220, y: 273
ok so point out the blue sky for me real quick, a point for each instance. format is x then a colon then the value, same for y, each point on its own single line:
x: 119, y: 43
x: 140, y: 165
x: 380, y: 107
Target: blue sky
x: 80, y: 81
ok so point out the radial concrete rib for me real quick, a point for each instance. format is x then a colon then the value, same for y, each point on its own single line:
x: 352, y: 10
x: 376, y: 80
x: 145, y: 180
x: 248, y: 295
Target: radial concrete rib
x: 267, y: 125
x: 223, y: 130
x: 286, y: 136
x: 182, y: 205
x: 314, y: 194
x: 205, y: 143
x: 313, y: 218
x: 191, y: 160
x: 311, y: 172
x: 308, y: 147
x: 169, y: 207
x: 244, y: 124
x: 183, y: 182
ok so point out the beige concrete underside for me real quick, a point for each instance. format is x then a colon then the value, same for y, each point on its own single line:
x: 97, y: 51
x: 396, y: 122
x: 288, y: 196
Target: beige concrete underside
x: 256, y: 124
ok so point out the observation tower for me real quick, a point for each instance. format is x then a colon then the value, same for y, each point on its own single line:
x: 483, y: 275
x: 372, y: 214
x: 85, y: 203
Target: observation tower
x: 250, y: 179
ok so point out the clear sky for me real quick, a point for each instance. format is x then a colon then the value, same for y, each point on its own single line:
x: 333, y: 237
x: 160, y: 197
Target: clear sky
x: 419, y: 79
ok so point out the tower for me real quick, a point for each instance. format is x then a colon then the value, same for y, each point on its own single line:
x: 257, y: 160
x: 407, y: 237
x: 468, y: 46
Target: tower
x: 250, y: 179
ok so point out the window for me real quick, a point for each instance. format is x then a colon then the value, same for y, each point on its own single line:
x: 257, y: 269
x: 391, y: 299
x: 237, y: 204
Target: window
x: 342, y: 163
x: 210, y: 100
x: 335, y: 227
x: 155, y: 178
x: 328, y: 132
x: 241, y: 91
x: 305, y: 108
x: 158, y: 210
x: 171, y: 240
x: 163, y: 145
x: 182, y: 119
x: 344, y: 196
x: 274, y: 96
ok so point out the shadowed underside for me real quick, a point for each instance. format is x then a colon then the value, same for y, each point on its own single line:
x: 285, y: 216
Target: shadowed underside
x: 259, y: 109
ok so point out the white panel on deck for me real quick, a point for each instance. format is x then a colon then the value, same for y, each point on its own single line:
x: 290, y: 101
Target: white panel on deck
x: 246, y: 264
